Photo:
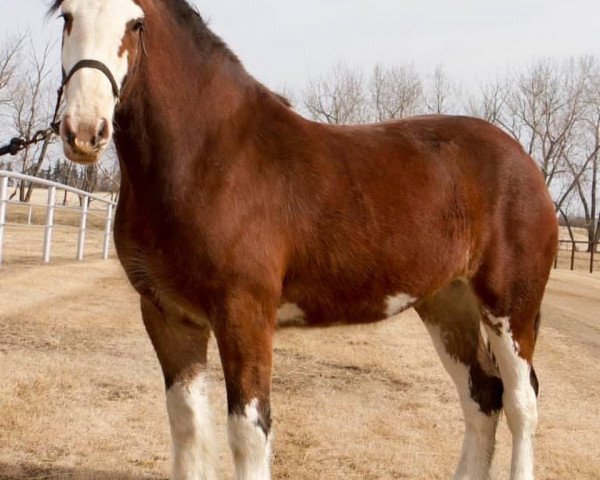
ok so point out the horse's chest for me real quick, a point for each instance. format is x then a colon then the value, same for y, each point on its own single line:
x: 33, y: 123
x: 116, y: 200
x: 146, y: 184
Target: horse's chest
x: 156, y: 266
x: 156, y: 276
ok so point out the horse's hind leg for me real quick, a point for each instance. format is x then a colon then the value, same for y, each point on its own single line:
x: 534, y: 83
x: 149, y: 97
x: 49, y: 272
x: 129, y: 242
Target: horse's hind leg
x: 452, y: 317
x: 181, y: 346
x: 512, y: 340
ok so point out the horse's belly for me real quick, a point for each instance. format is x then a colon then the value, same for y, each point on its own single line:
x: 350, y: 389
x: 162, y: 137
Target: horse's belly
x: 329, y: 308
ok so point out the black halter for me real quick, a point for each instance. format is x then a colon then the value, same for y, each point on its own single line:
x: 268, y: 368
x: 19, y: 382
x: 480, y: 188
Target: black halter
x: 95, y: 64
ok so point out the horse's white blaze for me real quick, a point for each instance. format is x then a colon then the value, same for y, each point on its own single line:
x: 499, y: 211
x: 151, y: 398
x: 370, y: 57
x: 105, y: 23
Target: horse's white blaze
x: 396, y: 303
x: 480, y: 429
x: 290, y: 311
x: 191, y: 431
x: 519, y: 399
x: 250, y: 446
x: 96, y: 33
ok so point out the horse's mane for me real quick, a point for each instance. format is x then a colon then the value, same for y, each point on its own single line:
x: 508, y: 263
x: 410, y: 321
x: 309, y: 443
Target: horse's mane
x: 188, y: 16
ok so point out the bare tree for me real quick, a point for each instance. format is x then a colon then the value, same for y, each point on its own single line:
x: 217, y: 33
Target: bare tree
x: 395, y: 92
x: 31, y: 107
x: 585, y: 176
x: 594, y: 131
x: 490, y: 101
x: 441, y: 93
x: 337, y: 97
x: 9, y: 54
x: 545, y: 110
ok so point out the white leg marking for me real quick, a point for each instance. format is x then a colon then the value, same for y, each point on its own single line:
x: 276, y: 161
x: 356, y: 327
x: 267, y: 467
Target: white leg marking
x: 480, y: 429
x: 250, y: 446
x: 191, y: 431
x: 519, y: 399
x: 397, y: 303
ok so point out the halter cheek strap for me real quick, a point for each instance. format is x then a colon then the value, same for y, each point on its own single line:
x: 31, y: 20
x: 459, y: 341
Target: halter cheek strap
x: 94, y: 64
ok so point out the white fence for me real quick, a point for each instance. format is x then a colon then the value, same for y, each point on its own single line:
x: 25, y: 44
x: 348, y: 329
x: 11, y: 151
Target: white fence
x: 51, y: 206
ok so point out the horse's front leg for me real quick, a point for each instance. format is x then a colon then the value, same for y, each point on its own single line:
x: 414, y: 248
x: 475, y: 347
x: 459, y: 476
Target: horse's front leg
x: 244, y: 331
x: 181, y: 346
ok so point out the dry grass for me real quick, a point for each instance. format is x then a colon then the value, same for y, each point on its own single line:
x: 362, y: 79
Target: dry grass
x: 82, y: 396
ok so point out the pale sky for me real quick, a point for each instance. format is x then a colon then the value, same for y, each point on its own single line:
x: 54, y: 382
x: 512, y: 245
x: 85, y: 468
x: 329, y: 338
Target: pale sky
x: 283, y: 42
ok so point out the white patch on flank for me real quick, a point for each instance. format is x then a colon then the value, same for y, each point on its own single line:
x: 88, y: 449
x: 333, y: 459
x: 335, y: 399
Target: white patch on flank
x: 97, y: 32
x: 191, y: 431
x: 250, y: 446
x: 519, y: 399
x: 290, y: 311
x: 480, y: 429
x: 397, y: 303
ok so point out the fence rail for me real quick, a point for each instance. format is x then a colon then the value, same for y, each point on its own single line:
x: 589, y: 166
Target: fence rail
x: 51, y: 208
x: 578, y: 254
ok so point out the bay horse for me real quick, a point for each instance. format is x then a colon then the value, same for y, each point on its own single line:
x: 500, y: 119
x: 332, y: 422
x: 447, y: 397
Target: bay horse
x: 232, y: 205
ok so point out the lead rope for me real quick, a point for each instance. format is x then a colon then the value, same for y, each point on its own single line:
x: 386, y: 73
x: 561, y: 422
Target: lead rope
x: 21, y: 143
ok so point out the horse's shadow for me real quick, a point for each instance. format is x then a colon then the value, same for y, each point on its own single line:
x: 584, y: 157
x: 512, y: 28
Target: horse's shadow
x: 31, y: 471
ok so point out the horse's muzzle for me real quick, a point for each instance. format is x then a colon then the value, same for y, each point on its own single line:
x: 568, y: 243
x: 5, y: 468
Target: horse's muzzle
x: 85, y: 141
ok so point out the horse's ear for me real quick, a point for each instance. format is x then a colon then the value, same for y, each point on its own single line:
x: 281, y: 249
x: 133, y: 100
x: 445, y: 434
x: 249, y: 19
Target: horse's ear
x: 55, y: 6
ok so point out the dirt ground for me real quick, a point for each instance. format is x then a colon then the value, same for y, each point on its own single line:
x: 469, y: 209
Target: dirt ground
x: 81, y: 394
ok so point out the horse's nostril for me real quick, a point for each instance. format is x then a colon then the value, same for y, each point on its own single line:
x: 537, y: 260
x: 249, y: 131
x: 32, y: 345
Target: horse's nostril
x: 69, y: 131
x: 104, y: 130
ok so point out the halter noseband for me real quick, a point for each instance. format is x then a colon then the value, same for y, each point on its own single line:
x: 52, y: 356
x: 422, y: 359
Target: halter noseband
x: 97, y: 65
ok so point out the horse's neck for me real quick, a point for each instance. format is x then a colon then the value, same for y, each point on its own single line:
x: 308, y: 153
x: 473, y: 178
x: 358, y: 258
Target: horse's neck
x: 184, y: 111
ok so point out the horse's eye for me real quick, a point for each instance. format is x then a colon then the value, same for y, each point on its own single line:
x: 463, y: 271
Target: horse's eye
x: 68, y: 18
x: 138, y: 25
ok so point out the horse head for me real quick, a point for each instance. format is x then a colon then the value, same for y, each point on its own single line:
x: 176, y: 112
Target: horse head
x: 102, y: 42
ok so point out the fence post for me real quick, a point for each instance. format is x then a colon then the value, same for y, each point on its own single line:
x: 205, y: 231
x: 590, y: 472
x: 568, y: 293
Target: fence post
x: 49, y: 223
x: 592, y: 252
x: 573, y: 247
x: 107, y: 231
x: 29, y: 215
x: 3, y: 200
x: 82, y: 227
